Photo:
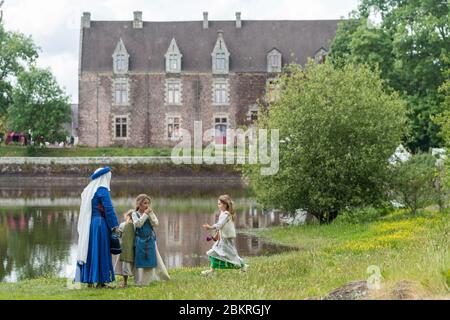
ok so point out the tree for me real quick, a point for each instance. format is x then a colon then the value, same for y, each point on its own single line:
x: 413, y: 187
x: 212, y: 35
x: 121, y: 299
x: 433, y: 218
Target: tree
x: 414, y: 181
x: 1, y: 11
x: 338, y: 128
x: 443, y: 120
x: 39, y: 105
x: 17, y: 53
x: 410, y: 48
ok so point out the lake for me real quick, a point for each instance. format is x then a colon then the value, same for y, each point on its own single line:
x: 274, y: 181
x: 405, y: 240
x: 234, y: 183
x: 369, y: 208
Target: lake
x: 38, y: 221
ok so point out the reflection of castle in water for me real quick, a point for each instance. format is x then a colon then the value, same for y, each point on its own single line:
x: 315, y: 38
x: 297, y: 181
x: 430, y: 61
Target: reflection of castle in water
x: 182, y: 240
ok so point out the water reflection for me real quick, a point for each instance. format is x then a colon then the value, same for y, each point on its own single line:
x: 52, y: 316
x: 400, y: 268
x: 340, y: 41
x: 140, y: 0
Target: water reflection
x: 38, y: 235
x: 34, y: 242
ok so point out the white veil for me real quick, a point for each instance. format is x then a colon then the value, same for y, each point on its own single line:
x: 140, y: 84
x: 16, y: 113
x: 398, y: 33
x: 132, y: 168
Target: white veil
x: 84, y: 217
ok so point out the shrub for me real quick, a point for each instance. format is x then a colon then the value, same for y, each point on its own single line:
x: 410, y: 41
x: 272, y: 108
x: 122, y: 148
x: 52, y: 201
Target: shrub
x: 413, y: 182
x: 362, y: 215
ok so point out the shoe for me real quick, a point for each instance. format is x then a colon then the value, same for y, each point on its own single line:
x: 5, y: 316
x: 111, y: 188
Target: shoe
x: 244, y: 268
x: 207, y: 273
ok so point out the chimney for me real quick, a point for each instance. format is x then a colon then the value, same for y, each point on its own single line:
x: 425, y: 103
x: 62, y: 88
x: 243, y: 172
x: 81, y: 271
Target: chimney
x: 137, y: 22
x: 205, y: 20
x: 238, y: 20
x: 86, y: 20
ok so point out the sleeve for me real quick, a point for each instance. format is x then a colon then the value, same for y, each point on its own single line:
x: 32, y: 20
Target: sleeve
x: 139, y: 221
x: 223, y: 218
x: 110, y: 213
x: 153, y: 219
x: 122, y: 226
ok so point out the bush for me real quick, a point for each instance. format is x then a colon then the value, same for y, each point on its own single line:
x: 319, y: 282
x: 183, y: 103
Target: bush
x: 414, y: 181
x: 362, y: 215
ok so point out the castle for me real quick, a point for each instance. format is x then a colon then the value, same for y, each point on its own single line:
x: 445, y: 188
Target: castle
x: 141, y: 82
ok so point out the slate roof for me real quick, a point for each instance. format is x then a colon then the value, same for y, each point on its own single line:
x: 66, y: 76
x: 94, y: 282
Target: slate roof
x: 296, y: 40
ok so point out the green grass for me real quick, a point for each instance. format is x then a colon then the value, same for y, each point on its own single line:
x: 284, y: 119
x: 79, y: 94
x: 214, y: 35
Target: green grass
x: 404, y: 247
x: 21, y: 151
x: 18, y: 151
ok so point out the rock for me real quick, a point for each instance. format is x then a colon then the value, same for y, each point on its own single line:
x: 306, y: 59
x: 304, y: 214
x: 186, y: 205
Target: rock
x: 402, y: 290
x: 352, y: 291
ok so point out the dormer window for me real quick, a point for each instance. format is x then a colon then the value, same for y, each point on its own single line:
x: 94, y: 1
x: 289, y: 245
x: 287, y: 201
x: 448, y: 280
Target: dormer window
x: 173, y: 58
x: 274, y: 61
x: 220, y: 61
x: 120, y: 63
x: 320, y: 55
x: 120, y: 58
x: 173, y: 62
x: 220, y: 56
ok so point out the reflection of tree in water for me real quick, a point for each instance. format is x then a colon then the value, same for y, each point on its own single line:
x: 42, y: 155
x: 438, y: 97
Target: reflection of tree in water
x: 5, y: 262
x: 36, y: 244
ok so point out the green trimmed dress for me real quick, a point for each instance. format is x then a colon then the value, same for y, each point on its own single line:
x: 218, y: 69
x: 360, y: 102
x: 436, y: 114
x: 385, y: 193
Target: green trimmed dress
x: 223, y: 254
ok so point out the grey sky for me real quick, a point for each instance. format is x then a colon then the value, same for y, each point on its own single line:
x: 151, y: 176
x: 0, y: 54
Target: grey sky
x: 54, y: 24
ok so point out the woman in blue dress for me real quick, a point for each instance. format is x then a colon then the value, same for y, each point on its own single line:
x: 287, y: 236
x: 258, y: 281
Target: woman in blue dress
x: 97, y: 219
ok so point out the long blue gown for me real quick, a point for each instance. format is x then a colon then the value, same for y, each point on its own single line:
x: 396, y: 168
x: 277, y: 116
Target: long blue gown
x: 98, y: 267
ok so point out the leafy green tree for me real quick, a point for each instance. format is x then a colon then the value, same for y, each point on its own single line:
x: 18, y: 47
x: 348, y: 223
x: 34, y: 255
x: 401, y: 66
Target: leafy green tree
x: 338, y: 128
x: 17, y: 52
x: 414, y: 182
x: 411, y: 48
x: 39, y: 105
x: 443, y: 120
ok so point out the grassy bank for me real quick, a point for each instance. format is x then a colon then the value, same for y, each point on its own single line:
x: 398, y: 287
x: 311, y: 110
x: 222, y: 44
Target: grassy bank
x: 23, y: 151
x: 404, y: 247
x: 19, y: 151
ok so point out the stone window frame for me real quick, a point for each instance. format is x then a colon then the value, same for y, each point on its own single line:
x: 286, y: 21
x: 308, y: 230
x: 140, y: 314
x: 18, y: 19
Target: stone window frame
x: 320, y: 55
x: 220, y: 48
x: 173, y: 115
x: 173, y: 82
x: 173, y: 53
x: 120, y: 81
x: 220, y: 82
x: 121, y: 51
x: 221, y: 116
x: 251, y: 109
x: 114, y: 124
x: 272, y: 93
x: 173, y: 62
x: 274, y: 55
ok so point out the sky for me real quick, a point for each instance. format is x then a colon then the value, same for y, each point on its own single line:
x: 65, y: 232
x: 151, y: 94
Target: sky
x: 54, y: 25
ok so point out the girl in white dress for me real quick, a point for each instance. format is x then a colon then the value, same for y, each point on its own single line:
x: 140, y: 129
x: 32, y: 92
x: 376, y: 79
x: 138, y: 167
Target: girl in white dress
x: 223, y: 254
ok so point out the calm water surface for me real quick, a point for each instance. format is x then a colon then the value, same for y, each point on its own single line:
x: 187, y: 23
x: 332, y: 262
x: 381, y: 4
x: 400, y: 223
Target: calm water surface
x: 38, y: 222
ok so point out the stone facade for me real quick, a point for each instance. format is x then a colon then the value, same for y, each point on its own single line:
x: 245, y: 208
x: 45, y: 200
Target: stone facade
x: 133, y: 108
x: 147, y: 110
